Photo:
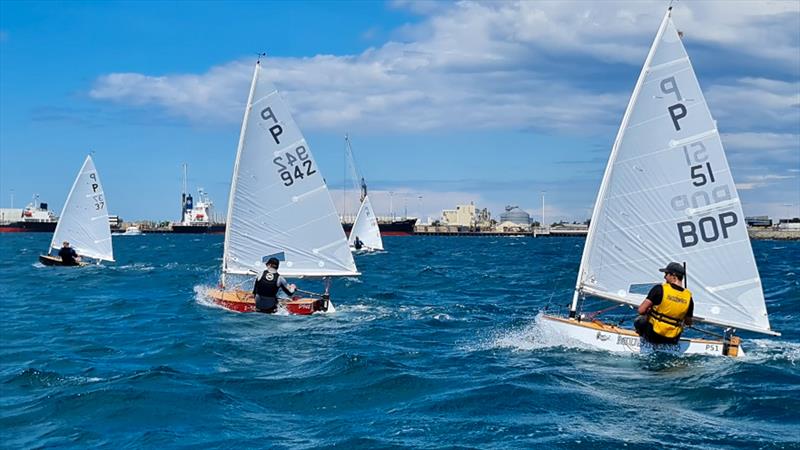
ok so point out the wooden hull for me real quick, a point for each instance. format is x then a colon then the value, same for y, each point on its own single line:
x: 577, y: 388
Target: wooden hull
x: 56, y: 261
x: 242, y: 301
x: 615, y: 339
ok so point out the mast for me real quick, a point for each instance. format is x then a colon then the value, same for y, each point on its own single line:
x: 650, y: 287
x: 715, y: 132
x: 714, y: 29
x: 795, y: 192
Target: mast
x: 236, y: 167
x: 344, y: 178
x: 183, y: 195
x: 363, y: 189
x: 611, y: 159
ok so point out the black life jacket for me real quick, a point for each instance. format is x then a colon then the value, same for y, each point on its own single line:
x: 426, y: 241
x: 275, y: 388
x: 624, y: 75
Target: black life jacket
x: 267, y: 284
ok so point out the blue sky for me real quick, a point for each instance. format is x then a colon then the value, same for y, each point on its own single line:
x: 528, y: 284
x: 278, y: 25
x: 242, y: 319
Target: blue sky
x: 491, y: 102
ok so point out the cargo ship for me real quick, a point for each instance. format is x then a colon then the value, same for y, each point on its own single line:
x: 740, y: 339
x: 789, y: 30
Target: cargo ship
x: 389, y: 227
x: 34, y: 217
x: 196, y: 218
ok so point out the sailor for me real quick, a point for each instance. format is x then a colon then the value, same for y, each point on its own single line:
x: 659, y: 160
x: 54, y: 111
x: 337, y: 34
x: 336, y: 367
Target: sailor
x: 69, y: 257
x: 667, y: 308
x: 266, y: 288
x: 357, y: 243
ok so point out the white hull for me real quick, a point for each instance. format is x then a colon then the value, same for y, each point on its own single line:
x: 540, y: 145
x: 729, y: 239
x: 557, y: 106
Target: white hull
x: 363, y: 250
x: 620, y: 340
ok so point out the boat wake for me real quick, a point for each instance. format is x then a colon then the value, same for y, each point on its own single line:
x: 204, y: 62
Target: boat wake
x: 201, y: 296
x: 533, y: 336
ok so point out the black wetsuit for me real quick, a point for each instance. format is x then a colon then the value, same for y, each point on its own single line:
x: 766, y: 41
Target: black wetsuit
x: 266, y: 291
x: 68, y: 255
x: 358, y: 244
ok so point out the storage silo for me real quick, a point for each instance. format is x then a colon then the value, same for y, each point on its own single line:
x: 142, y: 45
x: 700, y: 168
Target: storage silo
x: 515, y: 215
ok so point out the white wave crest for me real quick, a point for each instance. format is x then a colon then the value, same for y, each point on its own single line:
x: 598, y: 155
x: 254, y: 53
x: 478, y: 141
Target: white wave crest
x: 532, y: 336
x: 761, y: 350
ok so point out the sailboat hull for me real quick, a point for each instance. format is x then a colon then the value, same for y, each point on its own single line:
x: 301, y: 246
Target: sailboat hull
x: 56, y: 261
x: 615, y: 339
x: 243, y: 301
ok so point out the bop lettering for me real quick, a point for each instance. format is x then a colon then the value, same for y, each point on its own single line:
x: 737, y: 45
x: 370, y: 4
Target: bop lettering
x: 709, y: 229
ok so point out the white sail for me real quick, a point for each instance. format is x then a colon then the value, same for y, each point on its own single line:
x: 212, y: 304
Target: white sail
x: 279, y: 204
x: 668, y: 195
x: 366, y: 227
x: 84, y: 219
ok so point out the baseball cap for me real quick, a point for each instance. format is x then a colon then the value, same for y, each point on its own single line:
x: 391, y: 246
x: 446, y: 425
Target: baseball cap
x: 673, y: 267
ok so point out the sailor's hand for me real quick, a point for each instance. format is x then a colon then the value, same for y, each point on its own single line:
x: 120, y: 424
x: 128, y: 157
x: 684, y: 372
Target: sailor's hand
x: 293, y: 287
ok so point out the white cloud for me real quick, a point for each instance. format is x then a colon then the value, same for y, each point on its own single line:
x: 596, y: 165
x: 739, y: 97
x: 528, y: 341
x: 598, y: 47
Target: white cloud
x: 756, y: 153
x: 760, y: 181
x: 749, y: 103
x: 494, y: 65
x: 762, y: 141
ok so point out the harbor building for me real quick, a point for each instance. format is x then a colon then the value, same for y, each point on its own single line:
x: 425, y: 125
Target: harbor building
x: 462, y: 216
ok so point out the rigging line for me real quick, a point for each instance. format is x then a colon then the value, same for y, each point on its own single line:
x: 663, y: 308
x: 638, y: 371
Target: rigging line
x: 591, y: 316
x: 308, y: 292
x: 710, y: 333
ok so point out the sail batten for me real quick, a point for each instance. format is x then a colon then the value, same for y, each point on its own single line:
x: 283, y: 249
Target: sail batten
x: 84, y: 218
x: 279, y: 205
x: 668, y: 195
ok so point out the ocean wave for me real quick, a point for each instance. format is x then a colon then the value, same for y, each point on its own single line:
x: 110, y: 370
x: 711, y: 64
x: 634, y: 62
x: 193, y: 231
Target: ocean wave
x: 760, y: 350
x: 32, y: 377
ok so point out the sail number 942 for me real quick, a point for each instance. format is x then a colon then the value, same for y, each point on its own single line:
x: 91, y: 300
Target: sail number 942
x: 294, y: 165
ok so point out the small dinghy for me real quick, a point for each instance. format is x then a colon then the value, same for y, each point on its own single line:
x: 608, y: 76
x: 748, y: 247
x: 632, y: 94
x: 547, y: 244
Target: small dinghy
x: 83, y: 222
x: 279, y: 207
x: 667, y: 195
x: 48, y: 260
x: 365, y: 227
x: 241, y: 301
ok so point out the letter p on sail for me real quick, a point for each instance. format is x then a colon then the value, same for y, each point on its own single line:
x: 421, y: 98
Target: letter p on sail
x: 677, y: 112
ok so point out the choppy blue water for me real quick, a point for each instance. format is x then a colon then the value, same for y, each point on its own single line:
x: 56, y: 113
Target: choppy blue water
x: 435, y: 346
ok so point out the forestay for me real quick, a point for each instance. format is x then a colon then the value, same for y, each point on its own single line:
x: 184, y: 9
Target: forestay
x: 84, y: 219
x: 279, y: 204
x: 366, y: 227
x: 668, y: 195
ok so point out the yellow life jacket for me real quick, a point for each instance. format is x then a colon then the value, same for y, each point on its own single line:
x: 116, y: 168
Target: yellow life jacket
x: 667, y: 316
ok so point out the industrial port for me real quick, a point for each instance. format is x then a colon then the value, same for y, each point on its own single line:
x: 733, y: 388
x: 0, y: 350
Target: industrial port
x: 464, y: 220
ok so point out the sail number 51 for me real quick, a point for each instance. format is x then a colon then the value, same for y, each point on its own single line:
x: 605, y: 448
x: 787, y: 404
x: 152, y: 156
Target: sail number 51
x: 294, y: 165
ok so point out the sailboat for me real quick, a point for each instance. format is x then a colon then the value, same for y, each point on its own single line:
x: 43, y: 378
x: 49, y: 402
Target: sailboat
x: 83, y: 221
x: 668, y: 195
x: 365, y: 227
x: 279, y: 206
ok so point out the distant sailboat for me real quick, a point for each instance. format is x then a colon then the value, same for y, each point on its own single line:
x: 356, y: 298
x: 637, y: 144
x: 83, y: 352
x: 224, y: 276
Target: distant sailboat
x: 279, y: 206
x: 84, y: 220
x: 668, y: 195
x: 365, y: 227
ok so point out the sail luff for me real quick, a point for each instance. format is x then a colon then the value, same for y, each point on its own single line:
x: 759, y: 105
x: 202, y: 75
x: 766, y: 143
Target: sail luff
x: 53, y: 242
x: 612, y: 158
x: 234, y: 177
x: 351, y: 159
